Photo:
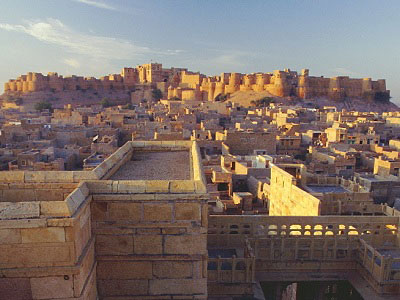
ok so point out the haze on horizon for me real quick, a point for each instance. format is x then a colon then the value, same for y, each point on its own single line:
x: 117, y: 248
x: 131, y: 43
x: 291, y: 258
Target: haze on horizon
x: 98, y: 37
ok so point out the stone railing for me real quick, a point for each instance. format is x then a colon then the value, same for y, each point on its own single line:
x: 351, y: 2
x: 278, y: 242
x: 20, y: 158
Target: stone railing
x: 231, y: 231
x: 233, y: 269
x: 379, y: 263
x: 316, y: 244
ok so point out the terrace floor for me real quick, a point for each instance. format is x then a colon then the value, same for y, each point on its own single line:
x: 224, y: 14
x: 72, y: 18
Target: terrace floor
x: 155, y: 165
x: 326, y: 189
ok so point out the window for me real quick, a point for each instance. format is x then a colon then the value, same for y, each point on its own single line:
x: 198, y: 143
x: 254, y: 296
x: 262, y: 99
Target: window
x: 23, y: 162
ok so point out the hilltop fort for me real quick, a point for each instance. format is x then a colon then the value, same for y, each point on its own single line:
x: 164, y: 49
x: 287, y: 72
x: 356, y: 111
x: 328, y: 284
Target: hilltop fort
x: 179, y: 83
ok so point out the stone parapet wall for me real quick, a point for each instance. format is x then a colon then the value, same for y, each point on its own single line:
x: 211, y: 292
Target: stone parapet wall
x: 48, y: 258
x: 153, y: 244
x: 287, y: 199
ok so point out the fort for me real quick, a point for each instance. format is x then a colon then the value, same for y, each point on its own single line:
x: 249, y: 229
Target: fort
x: 179, y: 83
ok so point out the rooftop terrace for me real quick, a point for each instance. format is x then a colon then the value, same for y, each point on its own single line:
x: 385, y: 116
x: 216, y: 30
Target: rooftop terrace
x: 155, y: 165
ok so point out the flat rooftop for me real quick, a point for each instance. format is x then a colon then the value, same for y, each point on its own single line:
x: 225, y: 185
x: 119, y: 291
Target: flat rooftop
x: 156, y: 165
x: 326, y: 189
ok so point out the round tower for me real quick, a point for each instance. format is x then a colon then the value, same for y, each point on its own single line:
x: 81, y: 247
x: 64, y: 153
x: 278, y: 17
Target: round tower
x: 219, y: 89
x: 280, y: 83
x: 366, y: 85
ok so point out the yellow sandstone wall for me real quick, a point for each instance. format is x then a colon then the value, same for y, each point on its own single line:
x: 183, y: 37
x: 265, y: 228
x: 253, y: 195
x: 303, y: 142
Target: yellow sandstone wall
x: 287, y: 199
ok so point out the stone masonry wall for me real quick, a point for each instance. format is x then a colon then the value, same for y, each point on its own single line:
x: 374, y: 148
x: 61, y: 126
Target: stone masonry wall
x: 150, y: 243
x: 287, y: 199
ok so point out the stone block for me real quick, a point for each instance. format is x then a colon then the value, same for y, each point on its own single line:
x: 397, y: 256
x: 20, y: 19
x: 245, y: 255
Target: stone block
x: 84, y: 189
x: 114, y: 244
x: 100, y: 171
x: 177, y: 286
x: 131, y: 186
x: 99, y: 211
x: 78, y: 176
x: 124, y: 211
x: 10, y: 236
x: 23, y: 223
x: 204, y: 215
x: 182, y: 186
x: 43, y: 235
x: 15, y: 288
x: 157, y: 212
x: 74, y: 200
x: 12, y: 176
x: 185, y: 244
x: 50, y: 195
x: 174, y: 230
x: 124, y: 270
x: 54, y: 209
x: 87, y: 266
x: 35, y: 255
x: 100, y: 186
x: 172, y: 269
x: 137, y: 144
x: 19, y: 210
x: 52, y: 287
x: 157, y: 186
x: 187, y: 211
x: 122, y: 287
x: 19, y: 194
x: 148, y: 231
x: 58, y: 176
x: 35, y: 176
x: 148, y: 244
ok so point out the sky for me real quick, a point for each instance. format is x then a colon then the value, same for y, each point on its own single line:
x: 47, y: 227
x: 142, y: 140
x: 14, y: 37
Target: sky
x: 356, y: 38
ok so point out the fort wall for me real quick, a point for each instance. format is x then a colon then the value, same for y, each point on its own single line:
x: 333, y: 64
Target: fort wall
x: 196, y: 86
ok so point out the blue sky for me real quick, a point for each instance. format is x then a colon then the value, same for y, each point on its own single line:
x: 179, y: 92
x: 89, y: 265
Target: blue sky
x: 359, y: 38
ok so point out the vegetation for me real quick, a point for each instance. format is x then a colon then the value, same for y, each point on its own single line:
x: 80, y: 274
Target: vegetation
x: 13, y: 99
x: 128, y: 106
x: 157, y: 94
x: 42, y: 105
x: 221, y: 97
x: 382, y: 97
x: 105, y: 102
x: 266, y: 101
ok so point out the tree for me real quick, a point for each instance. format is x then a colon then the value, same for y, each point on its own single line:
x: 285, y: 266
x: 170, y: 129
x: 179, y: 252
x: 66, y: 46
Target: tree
x: 105, y: 102
x: 382, y: 97
x: 221, y: 97
x: 42, y: 105
x: 262, y: 102
x: 19, y: 101
x: 157, y: 94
